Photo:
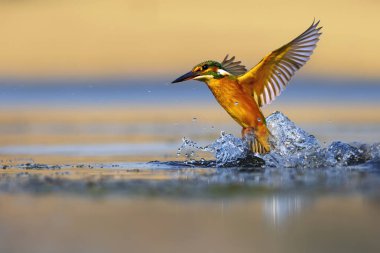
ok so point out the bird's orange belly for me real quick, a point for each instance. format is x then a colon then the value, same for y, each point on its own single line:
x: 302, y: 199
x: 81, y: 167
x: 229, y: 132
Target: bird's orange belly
x: 243, y: 112
x: 241, y: 107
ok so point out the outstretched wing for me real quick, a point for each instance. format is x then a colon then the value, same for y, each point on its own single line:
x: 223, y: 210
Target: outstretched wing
x: 270, y: 76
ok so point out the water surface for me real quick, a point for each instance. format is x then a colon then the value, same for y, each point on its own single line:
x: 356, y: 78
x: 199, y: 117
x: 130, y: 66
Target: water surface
x: 92, y: 166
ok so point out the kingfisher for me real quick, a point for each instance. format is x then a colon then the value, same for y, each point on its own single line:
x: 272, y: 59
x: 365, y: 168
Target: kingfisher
x: 242, y: 93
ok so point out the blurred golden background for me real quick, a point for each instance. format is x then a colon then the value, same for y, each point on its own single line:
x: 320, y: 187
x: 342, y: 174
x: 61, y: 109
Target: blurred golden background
x: 96, y: 72
x: 160, y: 38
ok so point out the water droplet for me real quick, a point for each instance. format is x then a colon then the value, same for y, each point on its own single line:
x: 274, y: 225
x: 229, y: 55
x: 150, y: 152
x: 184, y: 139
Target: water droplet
x: 259, y: 119
x: 236, y: 103
x: 149, y: 91
x: 212, y: 127
x: 179, y: 152
x: 194, y: 119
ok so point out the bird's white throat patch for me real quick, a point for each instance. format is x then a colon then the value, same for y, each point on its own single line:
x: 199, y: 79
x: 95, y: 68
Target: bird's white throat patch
x: 223, y: 72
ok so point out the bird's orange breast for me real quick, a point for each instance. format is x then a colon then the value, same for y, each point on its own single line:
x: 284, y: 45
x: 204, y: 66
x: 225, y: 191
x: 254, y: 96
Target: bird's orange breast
x: 239, y: 105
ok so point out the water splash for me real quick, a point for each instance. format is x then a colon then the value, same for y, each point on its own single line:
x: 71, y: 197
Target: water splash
x: 292, y: 147
x: 228, y: 150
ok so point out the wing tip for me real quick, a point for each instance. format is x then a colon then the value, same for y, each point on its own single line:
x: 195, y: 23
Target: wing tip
x: 315, y: 24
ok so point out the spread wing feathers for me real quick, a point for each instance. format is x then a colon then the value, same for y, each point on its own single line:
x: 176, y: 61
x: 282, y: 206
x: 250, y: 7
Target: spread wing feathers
x: 270, y: 76
x: 233, y: 67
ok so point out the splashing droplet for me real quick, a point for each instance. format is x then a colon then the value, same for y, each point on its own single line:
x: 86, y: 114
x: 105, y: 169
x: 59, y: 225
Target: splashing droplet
x: 179, y: 150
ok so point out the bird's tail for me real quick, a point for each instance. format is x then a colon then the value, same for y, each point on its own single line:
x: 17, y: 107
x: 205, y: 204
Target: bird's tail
x: 261, y: 142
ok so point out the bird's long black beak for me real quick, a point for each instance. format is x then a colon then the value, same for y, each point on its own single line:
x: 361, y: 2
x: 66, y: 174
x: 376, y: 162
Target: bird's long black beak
x: 185, y: 77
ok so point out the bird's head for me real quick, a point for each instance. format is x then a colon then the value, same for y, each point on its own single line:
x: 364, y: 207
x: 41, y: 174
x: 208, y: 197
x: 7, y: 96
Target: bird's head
x: 203, y: 72
x: 208, y: 70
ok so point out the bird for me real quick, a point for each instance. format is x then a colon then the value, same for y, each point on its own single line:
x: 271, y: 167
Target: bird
x: 242, y: 93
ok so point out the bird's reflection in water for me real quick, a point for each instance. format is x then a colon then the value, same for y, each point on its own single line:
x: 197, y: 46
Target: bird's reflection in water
x: 278, y: 208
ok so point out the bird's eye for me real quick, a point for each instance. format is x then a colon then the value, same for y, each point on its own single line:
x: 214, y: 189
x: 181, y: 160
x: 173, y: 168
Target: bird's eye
x: 204, y: 67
